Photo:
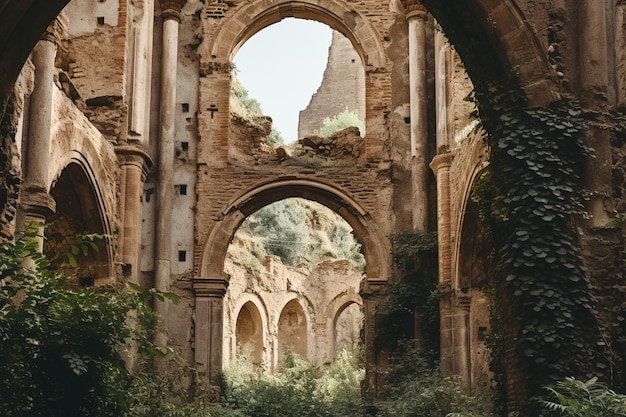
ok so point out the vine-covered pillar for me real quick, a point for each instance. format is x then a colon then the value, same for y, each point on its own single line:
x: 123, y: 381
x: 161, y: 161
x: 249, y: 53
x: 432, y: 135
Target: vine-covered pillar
x: 35, y: 202
x: 209, y: 326
x: 371, y: 292
x: 417, y: 19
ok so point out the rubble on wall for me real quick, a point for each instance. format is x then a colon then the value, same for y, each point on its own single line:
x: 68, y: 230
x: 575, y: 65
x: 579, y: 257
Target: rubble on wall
x: 346, y: 143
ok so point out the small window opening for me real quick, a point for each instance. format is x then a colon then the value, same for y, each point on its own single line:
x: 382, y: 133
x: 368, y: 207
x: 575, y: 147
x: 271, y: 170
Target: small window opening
x: 182, y: 189
x: 182, y: 255
x: 101, y: 20
x: 184, y: 146
x: 185, y: 107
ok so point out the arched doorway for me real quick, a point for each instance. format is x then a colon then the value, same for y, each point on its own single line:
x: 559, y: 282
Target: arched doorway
x: 77, y: 214
x: 293, y: 331
x: 249, y: 334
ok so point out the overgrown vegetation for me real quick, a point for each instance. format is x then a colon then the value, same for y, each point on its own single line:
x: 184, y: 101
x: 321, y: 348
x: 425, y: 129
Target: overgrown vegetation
x: 249, y: 108
x: 416, y: 387
x: 341, y: 121
x: 298, y: 230
x: 61, y: 349
x: 573, y: 398
x: 540, y: 295
x: 414, y: 296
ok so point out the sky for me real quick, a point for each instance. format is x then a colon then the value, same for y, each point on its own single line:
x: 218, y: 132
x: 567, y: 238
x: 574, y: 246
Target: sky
x: 282, y: 67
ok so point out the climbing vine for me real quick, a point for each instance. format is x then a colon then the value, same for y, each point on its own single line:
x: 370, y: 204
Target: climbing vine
x: 543, y: 323
x: 415, y: 292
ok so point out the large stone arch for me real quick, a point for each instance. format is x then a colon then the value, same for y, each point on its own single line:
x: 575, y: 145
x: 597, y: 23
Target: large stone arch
x: 248, y: 20
x: 499, y: 34
x: 375, y: 246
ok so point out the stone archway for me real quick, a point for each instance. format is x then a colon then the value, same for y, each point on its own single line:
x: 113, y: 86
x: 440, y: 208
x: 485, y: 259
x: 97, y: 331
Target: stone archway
x: 211, y: 282
x: 249, y: 333
x: 78, y: 211
x: 363, y: 226
x: 293, y: 330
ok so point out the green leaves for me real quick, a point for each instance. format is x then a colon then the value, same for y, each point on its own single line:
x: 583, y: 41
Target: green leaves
x: 540, y: 291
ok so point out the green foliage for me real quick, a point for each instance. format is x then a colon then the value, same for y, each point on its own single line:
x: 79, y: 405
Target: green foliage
x: 539, y: 291
x: 415, y: 256
x: 240, y: 101
x: 300, y: 231
x: 573, y: 398
x: 249, y: 108
x: 416, y: 388
x: 299, y: 388
x: 60, y: 348
x: 283, y: 228
x: 275, y: 138
x: 341, y: 121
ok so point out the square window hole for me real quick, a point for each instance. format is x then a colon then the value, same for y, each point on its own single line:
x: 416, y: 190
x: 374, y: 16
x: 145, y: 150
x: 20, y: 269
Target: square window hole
x: 182, y: 189
x: 101, y: 20
x: 182, y: 255
x: 184, y: 146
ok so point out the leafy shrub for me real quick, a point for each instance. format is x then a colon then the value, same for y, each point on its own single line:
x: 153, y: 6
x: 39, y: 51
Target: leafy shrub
x: 299, y: 388
x: 415, y: 387
x: 60, y: 348
x: 341, y: 121
x: 573, y: 398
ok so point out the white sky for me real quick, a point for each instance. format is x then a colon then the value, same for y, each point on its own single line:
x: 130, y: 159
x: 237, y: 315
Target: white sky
x: 282, y: 66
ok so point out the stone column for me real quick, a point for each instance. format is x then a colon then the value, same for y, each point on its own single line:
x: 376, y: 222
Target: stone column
x: 416, y: 16
x: 35, y: 202
x: 371, y: 292
x: 170, y: 13
x: 454, y: 316
x: 594, y: 84
x: 442, y: 102
x: 209, y: 326
x: 134, y: 166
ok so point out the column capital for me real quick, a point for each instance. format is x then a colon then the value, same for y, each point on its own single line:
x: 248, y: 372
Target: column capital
x: 372, y: 287
x: 210, y: 287
x: 441, y: 161
x: 171, y: 9
x: 57, y: 30
x: 415, y: 9
x: 37, y: 202
x: 134, y: 155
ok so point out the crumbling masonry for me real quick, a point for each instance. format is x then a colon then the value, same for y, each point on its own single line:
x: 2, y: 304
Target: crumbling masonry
x: 115, y: 119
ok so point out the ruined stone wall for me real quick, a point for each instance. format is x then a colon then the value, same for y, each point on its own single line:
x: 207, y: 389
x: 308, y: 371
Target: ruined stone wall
x: 342, y: 88
x: 322, y: 289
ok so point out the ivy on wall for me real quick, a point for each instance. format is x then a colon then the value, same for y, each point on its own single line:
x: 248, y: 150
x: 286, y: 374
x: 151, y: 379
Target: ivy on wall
x: 543, y: 322
x: 414, y: 293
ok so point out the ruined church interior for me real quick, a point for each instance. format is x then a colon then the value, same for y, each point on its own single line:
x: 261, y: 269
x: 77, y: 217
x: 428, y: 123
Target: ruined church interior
x: 118, y: 119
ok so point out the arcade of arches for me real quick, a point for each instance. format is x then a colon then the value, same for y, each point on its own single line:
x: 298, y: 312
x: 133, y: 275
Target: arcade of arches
x: 115, y: 120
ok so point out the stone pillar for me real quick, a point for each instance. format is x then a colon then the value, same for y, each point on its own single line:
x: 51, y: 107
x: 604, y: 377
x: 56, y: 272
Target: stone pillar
x: 209, y: 326
x: 134, y: 166
x: 170, y: 13
x: 454, y: 315
x: 35, y: 202
x: 417, y: 16
x: 371, y: 292
x: 594, y: 85
x: 442, y: 102
x: 140, y: 69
